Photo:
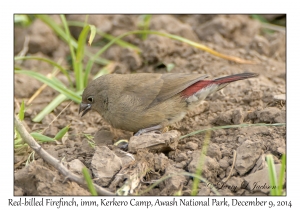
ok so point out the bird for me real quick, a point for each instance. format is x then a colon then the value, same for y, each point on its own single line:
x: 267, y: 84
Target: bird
x: 144, y: 102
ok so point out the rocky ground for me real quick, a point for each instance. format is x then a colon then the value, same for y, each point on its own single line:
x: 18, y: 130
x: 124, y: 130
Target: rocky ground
x: 234, y: 163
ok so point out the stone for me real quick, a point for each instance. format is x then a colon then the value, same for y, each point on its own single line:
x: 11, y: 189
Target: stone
x: 247, y: 155
x: 223, y: 163
x: 160, y: 162
x: 281, y: 97
x: 76, y: 167
x: 191, y: 145
x: 209, y: 168
x: 154, y: 142
x: 204, y: 190
x: 105, y: 164
x: 181, y: 157
x: 259, y: 181
x: 214, y: 151
x: 271, y: 115
x: 174, y: 183
x: 235, y: 183
x: 234, y: 116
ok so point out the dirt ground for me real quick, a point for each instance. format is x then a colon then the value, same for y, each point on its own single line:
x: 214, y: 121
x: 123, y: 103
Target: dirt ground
x: 257, y: 100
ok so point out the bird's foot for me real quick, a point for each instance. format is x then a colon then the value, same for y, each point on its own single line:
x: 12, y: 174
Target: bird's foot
x: 124, y: 147
x: 146, y: 130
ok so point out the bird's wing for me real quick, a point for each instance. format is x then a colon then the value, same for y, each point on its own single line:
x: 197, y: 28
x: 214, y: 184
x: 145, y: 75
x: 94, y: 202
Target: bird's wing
x: 175, y: 83
x: 156, y: 88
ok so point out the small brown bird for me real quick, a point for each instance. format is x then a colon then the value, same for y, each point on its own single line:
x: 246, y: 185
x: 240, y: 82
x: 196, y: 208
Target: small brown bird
x: 146, y: 101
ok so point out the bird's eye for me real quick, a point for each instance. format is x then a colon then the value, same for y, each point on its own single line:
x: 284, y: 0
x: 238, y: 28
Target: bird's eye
x: 90, y: 99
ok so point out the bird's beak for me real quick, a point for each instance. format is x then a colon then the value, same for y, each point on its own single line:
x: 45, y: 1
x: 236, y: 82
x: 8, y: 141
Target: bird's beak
x: 84, y: 108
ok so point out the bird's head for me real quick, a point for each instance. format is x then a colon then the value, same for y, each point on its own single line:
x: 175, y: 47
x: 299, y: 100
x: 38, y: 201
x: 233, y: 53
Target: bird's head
x: 94, y: 96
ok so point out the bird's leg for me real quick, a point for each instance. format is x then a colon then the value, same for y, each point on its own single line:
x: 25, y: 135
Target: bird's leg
x: 124, y: 147
x: 141, y: 131
x: 145, y: 130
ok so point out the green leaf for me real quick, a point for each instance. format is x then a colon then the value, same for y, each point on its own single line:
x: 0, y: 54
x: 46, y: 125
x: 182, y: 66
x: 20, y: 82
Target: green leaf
x: 109, y: 37
x: 281, y: 175
x: 200, y: 163
x: 272, y: 175
x: 69, y: 39
x: 51, y: 106
x: 89, y: 181
x: 56, y: 86
x: 170, y: 66
x: 144, y: 24
x: 93, y: 34
x: 23, y: 19
x: 64, y: 71
x: 41, y: 137
x: 22, y: 111
x: 62, y: 132
x: 260, y: 18
x: 79, y: 57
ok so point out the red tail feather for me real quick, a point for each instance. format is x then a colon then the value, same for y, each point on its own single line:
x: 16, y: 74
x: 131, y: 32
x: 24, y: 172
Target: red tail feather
x: 196, y: 87
x: 204, y: 83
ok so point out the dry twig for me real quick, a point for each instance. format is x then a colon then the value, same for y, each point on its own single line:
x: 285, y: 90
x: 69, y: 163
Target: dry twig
x: 52, y: 161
